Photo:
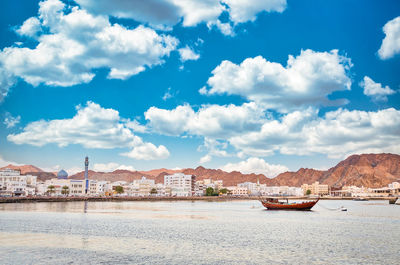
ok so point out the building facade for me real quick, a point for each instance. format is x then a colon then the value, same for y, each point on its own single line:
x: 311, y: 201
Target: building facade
x: 12, y: 183
x: 181, y: 185
x: 315, y: 189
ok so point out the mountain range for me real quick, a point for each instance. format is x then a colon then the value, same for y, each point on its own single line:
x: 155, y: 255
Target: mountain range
x: 368, y: 170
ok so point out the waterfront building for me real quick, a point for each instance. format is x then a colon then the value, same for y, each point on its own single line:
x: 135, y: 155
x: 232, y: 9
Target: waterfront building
x: 180, y: 184
x: 77, y: 187
x: 54, y: 187
x: 238, y: 191
x: 12, y: 183
x: 316, y: 189
x: 202, y: 185
x: 252, y: 188
x: 352, y: 191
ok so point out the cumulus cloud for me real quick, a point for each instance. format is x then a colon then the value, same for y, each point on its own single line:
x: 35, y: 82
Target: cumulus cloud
x: 92, y: 127
x: 72, y: 43
x: 213, y: 121
x: 112, y: 166
x: 375, y: 90
x: 147, y: 151
x: 10, y: 121
x: 242, y: 11
x: 257, y: 166
x: 391, y: 43
x: 164, y: 14
x: 205, y: 159
x: 7, y: 80
x: 187, y: 54
x: 30, y: 28
x: 307, y: 80
x: 337, y: 134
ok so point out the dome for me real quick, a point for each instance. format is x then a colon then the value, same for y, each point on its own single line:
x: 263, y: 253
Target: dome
x: 62, y: 174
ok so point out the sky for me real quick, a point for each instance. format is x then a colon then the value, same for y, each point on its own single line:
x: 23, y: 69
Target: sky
x: 261, y: 86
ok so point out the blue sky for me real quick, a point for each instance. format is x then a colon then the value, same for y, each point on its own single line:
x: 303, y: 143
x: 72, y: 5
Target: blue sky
x: 256, y: 86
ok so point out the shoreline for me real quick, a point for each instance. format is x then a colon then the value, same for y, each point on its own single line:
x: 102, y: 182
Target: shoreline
x: 127, y: 198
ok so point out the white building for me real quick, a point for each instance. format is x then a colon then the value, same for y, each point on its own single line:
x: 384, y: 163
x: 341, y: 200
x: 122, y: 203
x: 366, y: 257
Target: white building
x: 202, y: 185
x: 12, y: 183
x: 316, y: 189
x: 238, y: 191
x: 180, y: 184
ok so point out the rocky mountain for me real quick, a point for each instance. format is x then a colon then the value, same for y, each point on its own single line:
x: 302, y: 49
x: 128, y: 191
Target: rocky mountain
x: 296, y: 179
x: 24, y: 169
x: 229, y: 178
x: 368, y: 170
x: 117, y: 175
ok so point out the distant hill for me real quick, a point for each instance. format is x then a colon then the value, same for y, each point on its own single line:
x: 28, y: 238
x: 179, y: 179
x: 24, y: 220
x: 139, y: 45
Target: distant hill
x: 368, y: 170
x: 24, y: 169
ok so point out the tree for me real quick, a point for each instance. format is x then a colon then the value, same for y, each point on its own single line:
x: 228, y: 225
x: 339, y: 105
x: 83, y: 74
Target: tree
x: 308, y: 192
x: 51, y: 189
x: 65, y: 190
x: 209, y: 191
x: 119, y: 189
x: 223, y: 191
x: 153, y: 191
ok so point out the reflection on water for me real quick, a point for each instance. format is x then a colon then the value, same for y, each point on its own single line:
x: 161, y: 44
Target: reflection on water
x: 235, y: 232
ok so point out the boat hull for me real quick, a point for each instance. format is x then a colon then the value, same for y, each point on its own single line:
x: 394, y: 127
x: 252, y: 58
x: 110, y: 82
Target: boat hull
x: 303, y: 206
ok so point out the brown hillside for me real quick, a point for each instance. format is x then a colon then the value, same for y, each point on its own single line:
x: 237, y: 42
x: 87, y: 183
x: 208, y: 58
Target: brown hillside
x: 296, y: 179
x: 229, y: 179
x: 24, y: 169
x: 368, y: 170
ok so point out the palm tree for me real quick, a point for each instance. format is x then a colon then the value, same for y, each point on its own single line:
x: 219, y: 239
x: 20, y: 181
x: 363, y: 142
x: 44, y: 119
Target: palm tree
x: 65, y: 190
x: 51, y: 189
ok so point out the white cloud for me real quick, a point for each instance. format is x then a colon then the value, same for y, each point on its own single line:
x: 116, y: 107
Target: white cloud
x: 205, y: 159
x: 307, y: 80
x: 214, y: 148
x: 92, y: 127
x: 375, y: 90
x: 337, y: 134
x: 136, y: 126
x: 168, y: 94
x: 109, y: 167
x: 213, y: 121
x: 187, y: 54
x: 242, y: 11
x: 257, y: 166
x: 391, y: 43
x: 30, y: 28
x: 74, y: 43
x: 226, y: 28
x: 7, y: 80
x: 164, y: 14
x: 11, y: 121
x: 147, y: 151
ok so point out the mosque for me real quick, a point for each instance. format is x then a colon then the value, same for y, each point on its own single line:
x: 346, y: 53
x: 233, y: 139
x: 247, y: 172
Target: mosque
x: 62, y: 174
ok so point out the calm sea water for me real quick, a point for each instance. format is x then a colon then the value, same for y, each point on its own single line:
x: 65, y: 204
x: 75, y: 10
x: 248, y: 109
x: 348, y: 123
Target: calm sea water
x: 199, y: 232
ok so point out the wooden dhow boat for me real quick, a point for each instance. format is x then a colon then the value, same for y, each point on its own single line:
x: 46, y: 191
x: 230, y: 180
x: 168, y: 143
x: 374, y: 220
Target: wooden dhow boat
x: 276, y: 204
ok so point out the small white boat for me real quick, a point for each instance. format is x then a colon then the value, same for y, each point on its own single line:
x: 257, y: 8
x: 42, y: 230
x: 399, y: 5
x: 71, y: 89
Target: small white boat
x: 343, y: 209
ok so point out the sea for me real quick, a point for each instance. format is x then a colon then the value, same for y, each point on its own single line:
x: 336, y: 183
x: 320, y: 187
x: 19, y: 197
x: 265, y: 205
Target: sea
x: 198, y: 232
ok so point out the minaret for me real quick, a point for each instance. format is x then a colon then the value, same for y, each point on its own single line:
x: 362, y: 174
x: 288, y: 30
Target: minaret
x: 86, y: 175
